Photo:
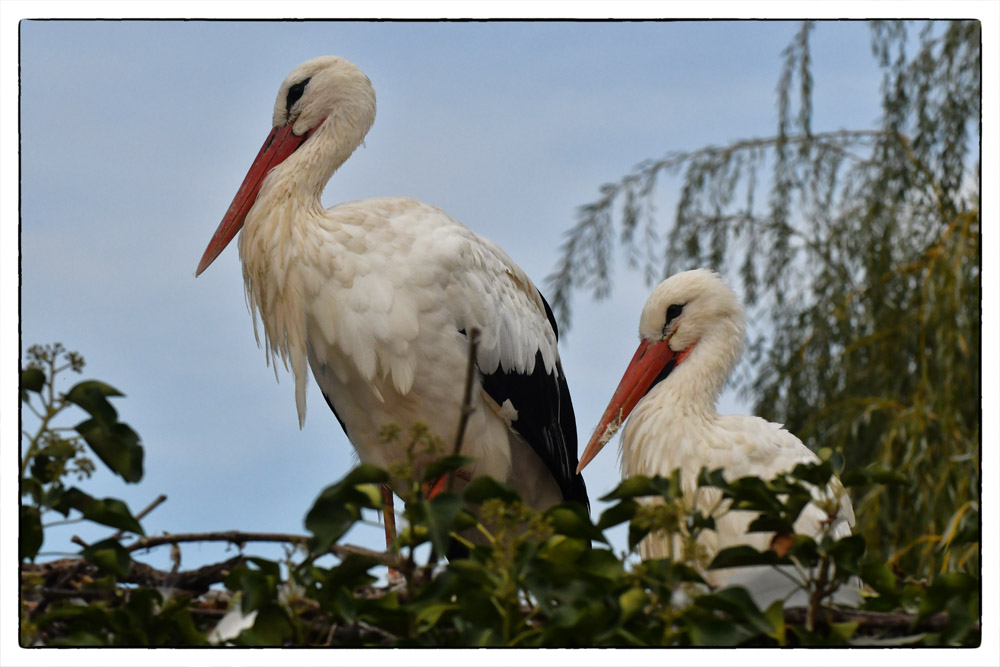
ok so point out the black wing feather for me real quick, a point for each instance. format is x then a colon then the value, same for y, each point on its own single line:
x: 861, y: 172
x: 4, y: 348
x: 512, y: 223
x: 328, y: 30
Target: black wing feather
x: 545, y: 417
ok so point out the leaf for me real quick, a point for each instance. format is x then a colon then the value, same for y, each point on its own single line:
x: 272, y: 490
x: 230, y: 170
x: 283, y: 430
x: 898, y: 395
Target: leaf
x: 117, y: 445
x: 744, y: 556
x: 442, y: 466
x: 572, y: 520
x: 429, y: 615
x: 91, y: 395
x: 736, y: 602
x: 632, y: 602
x: 482, y: 489
x: 339, y: 505
x: 770, y: 524
x: 32, y: 379
x: 817, y: 474
x: 879, y: 576
x: 753, y: 493
x: 709, y: 631
x: 30, y: 532
x: 271, y: 626
x: 618, y: 514
x: 639, y: 486
x: 439, y: 515
x: 268, y: 567
x: 256, y: 587
x: 108, y: 512
x: 943, y: 589
x: 847, y: 553
x: 602, y: 563
x: 636, y: 532
x: 110, y: 556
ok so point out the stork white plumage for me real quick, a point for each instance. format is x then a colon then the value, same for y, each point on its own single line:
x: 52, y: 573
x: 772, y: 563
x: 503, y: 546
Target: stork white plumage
x: 376, y: 297
x: 692, y: 332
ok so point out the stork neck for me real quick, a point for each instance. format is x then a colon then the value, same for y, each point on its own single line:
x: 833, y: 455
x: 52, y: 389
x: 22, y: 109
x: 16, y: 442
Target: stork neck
x: 696, y: 383
x: 305, y: 173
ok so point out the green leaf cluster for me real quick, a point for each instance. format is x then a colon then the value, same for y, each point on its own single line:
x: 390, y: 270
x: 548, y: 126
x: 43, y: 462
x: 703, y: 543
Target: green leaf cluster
x: 527, y: 578
x: 51, y: 453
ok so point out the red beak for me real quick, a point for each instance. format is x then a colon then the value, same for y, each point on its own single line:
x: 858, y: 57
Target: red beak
x: 652, y: 362
x: 281, y: 143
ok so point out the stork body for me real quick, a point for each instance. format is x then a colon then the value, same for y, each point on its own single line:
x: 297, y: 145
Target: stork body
x: 692, y: 332
x: 377, y: 296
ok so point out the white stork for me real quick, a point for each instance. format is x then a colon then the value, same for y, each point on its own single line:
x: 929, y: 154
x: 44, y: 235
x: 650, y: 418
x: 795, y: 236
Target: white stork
x: 376, y: 296
x: 692, y: 332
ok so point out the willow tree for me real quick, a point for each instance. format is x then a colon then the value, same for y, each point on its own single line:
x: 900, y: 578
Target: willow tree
x: 861, y: 249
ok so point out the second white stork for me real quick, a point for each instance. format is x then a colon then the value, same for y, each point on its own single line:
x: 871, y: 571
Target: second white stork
x: 692, y: 332
x: 377, y: 296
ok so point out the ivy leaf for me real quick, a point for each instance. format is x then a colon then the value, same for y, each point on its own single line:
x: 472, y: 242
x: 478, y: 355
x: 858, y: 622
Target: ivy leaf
x: 817, y: 474
x: 639, y: 485
x: 110, y: 556
x: 847, y: 553
x: 572, y: 520
x: 744, y: 556
x: 339, y: 505
x: 618, y: 514
x: 636, y: 532
x: 92, y: 396
x: 108, y: 512
x: 116, y: 444
x: 32, y: 379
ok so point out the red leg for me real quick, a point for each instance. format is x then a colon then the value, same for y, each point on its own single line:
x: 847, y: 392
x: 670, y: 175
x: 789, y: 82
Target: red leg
x: 433, y: 489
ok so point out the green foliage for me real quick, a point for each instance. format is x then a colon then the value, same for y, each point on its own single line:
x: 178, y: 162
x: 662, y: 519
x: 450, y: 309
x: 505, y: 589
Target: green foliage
x: 49, y: 455
x: 861, y: 248
x: 530, y: 579
x: 112, y: 615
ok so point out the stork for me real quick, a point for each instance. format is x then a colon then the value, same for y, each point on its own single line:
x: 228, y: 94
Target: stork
x: 692, y: 332
x: 377, y: 298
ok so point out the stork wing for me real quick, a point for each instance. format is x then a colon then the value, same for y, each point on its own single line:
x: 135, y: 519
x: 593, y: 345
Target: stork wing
x: 544, y: 416
x: 518, y: 361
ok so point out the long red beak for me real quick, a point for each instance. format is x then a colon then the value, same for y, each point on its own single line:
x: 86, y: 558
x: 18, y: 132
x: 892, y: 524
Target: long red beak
x: 652, y: 362
x: 281, y: 143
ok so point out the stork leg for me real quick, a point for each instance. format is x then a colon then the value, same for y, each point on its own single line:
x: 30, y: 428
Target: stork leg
x: 389, y: 520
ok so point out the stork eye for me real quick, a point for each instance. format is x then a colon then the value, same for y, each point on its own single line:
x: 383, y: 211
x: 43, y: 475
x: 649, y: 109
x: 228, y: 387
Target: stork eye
x: 673, y: 311
x: 294, y: 93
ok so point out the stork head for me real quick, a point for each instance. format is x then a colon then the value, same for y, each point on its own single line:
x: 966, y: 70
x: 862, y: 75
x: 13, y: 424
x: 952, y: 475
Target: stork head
x: 326, y: 95
x: 689, y: 311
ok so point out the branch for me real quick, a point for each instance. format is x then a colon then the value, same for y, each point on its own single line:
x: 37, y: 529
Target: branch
x: 239, y: 538
x: 871, y: 620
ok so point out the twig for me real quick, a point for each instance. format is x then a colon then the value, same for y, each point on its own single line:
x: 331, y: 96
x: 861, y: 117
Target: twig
x: 239, y: 538
x: 463, y: 420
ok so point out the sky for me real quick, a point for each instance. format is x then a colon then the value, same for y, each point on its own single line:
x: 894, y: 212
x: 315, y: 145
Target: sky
x: 134, y: 137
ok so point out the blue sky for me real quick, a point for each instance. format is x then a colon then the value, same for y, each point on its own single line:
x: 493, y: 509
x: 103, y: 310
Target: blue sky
x: 136, y: 135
